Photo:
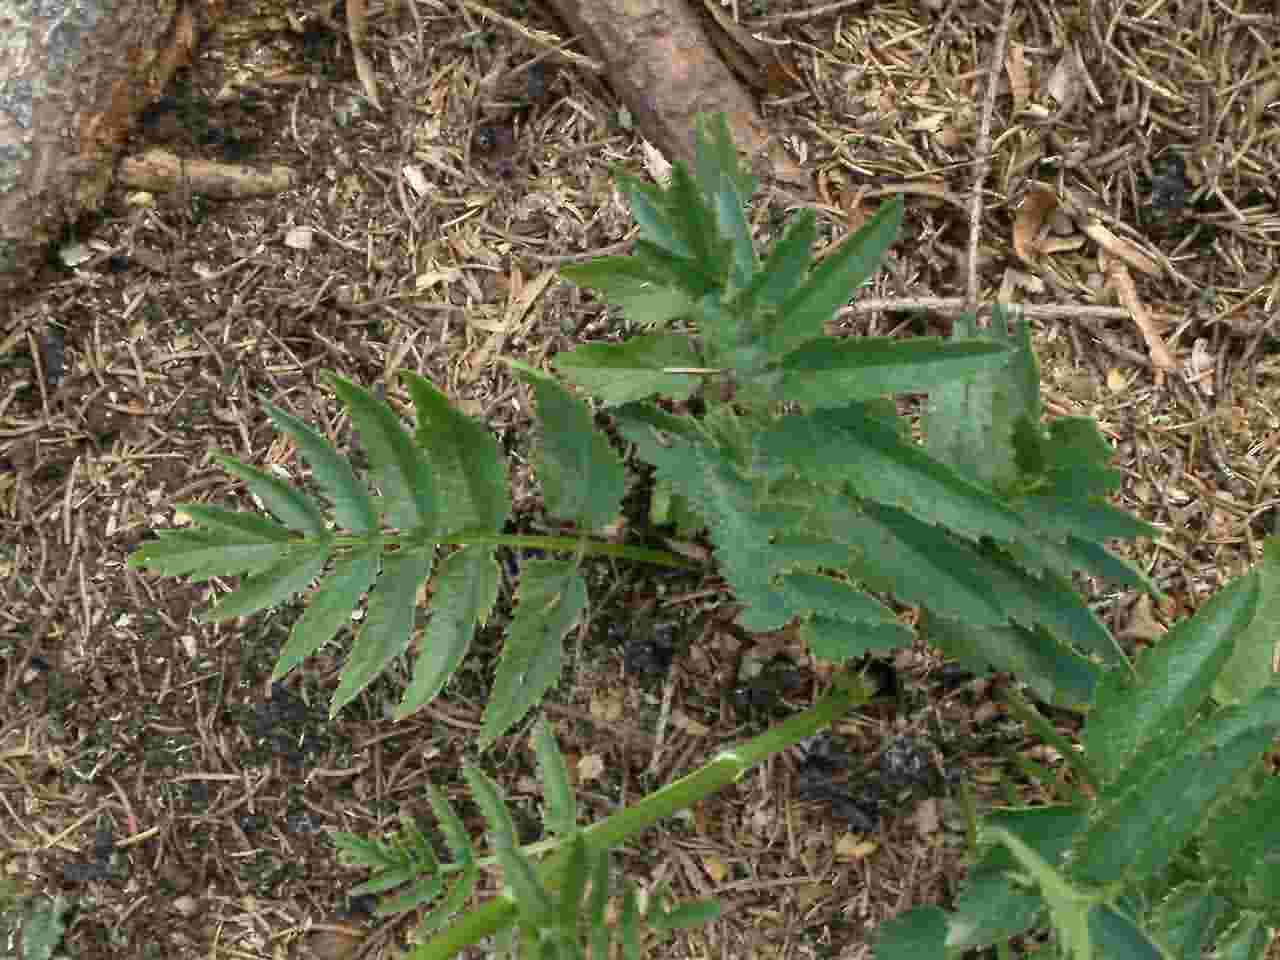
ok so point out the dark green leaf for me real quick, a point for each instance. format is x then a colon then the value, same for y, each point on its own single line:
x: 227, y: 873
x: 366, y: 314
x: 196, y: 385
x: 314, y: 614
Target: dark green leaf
x: 651, y: 213
x: 330, y: 608
x: 469, y: 471
x: 290, y: 505
x: 492, y: 802
x: 787, y: 264
x: 1056, y: 673
x: 840, y: 640
x: 551, y: 600
x: 919, y: 934
x: 351, y: 500
x: 1170, y: 681
x: 597, y: 904
x: 451, y: 825
x: 465, y: 591
x: 582, y: 477
x: 834, y: 281
x: 290, y: 575
x: 682, y: 916
x: 1249, y: 667
x: 561, y: 816
x: 645, y: 296
x: 971, y: 423
x: 1116, y: 937
x: 847, y: 445
x: 387, y: 626
x: 207, y: 553
x: 244, y: 527
x: 399, y: 468
x: 617, y: 373
x: 1184, y: 919
x: 573, y: 884
x: 834, y: 373
x: 1162, y: 802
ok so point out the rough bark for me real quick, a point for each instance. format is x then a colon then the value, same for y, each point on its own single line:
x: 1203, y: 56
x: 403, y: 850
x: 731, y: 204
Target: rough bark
x: 663, y: 66
x: 73, y: 74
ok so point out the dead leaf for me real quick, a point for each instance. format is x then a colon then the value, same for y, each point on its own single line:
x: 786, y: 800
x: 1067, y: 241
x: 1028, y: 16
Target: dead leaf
x: 1033, y: 217
x: 1142, y: 624
x: 852, y: 846
x: 1119, y: 280
x: 590, y: 767
x: 716, y: 868
x: 1121, y: 249
x: 1015, y: 65
x: 357, y: 29
x: 927, y: 817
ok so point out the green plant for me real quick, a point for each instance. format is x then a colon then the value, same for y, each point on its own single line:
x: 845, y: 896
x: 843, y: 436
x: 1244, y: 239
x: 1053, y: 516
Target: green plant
x: 797, y: 462
x: 1175, y: 845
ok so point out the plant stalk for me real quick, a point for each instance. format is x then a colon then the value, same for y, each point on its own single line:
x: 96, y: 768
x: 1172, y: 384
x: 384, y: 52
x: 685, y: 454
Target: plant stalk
x: 728, y: 767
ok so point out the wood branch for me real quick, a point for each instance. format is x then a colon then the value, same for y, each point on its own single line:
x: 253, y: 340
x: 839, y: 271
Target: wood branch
x: 162, y: 170
x: 664, y: 68
x: 72, y: 78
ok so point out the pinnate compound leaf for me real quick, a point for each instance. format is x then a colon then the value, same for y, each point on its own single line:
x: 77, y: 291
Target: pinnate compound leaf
x: 644, y: 295
x: 992, y: 906
x: 562, y: 813
x: 918, y: 934
x: 470, y: 472
x: 1068, y: 907
x: 330, y: 608
x: 1162, y: 801
x: 292, y: 574
x: 466, y: 589
x: 551, y: 599
x: 617, y: 373
x: 835, y: 373
x: 290, y: 505
x: 388, y: 624
x: 351, y: 501
x: 1170, y: 681
x: 582, y: 478
x: 399, y: 468
x: 833, y: 282
x: 1249, y: 668
x: 203, y: 554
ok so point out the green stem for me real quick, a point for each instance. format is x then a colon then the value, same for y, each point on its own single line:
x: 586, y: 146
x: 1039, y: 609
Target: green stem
x: 589, y: 548
x: 727, y: 767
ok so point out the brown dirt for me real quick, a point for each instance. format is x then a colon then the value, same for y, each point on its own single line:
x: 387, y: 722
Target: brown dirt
x: 432, y: 227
